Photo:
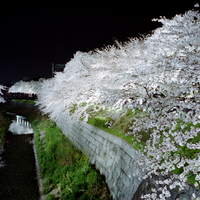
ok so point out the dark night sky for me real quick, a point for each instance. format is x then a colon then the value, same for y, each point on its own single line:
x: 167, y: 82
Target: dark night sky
x: 34, y: 37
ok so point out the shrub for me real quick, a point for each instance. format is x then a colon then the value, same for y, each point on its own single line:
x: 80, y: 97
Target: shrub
x: 62, y: 164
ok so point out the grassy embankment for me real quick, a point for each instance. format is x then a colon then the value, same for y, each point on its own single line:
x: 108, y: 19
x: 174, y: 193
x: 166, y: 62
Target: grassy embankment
x: 120, y: 127
x: 66, y: 170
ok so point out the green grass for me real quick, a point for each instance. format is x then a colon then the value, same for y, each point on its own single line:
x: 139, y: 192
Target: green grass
x: 65, y: 167
x: 120, y: 127
x: 183, y: 151
x: 24, y: 101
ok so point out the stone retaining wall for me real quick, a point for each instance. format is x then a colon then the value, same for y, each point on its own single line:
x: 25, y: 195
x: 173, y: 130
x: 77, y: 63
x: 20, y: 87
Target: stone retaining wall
x: 114, y: 157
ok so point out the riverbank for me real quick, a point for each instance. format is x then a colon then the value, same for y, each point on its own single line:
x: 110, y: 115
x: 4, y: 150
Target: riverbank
x: 66, y: 172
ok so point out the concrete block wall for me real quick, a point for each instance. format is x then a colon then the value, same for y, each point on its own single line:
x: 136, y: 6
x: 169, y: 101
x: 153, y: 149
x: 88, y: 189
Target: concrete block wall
x: 114, y: 157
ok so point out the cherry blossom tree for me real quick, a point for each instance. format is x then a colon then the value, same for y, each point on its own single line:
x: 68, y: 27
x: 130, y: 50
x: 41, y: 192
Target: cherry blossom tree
x: 158, y: 74
x: 26, y: 87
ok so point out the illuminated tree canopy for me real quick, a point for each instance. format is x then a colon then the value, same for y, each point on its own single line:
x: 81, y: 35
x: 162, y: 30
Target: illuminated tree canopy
x: 26, y: 87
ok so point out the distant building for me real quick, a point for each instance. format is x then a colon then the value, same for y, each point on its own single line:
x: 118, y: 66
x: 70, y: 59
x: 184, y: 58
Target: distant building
x: 57, y: 68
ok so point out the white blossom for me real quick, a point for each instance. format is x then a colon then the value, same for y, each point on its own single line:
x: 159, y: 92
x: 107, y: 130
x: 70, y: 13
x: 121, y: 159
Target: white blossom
x: 26, y: 87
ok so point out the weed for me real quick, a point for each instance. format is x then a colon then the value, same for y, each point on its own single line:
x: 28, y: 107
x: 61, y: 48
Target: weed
x: 73, y: 108
x: 51, y: 197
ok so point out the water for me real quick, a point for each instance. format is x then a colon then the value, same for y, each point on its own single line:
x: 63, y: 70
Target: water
x: 18, y: 178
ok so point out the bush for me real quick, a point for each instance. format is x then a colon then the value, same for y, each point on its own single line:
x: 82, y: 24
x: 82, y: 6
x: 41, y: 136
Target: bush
x: 62, y: 164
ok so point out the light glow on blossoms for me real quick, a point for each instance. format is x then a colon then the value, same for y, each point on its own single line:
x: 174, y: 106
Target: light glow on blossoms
x: 159, y: 75
x: 26, y: 87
